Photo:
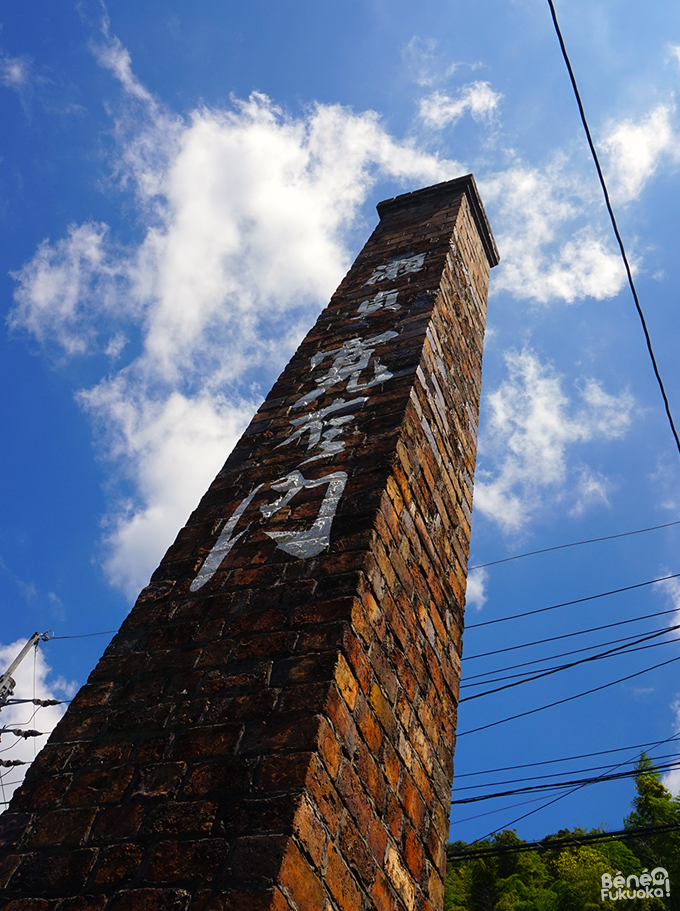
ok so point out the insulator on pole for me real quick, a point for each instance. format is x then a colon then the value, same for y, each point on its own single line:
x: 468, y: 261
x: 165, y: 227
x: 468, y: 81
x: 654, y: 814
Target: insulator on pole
x: 7, y: 682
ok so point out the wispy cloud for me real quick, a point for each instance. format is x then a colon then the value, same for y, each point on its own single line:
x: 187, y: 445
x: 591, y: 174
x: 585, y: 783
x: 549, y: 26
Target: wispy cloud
x: 475, y: 595
x: 672, y: 779
x: 14, y: 71
x: 68, y: 285
x: 671, y: 588
x: 635, y: 150
x: 427, y: 65
x: 592, y: 489
x: 533, y: 424
x: 551, y: 250
x: 247, y: 215
x: 478, y: 99
x: 113, y: 56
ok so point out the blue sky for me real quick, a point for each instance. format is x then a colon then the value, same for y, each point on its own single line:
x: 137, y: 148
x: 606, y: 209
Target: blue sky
x: 181, y: 190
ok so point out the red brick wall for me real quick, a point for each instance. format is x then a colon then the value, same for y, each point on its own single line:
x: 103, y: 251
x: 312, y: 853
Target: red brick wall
x: 273, y: 727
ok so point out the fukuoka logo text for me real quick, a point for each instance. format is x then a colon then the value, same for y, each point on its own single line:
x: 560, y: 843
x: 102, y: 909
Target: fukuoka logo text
x: 647, y: 885
x: 351, y: 370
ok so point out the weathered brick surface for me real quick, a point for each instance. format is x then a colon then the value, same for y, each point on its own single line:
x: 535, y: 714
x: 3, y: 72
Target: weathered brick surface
x: 273, y: 727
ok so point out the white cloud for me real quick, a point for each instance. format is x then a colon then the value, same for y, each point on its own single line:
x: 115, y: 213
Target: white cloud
x: 113, y: 56
x: 531, y: 427
x: 14, y: 71
x: 543, y: 227
x: 635, y: 150
x: 420, y: 55
x: 67, y: 285
x: 671, y: 588
x: 246, y: 214
x: 477, y: 98
x: 672, y: 779
x: 475, y: 595
x: 592, y: 488
x: 427, y: 65
x: 170, y: 447
x: 33, y: 681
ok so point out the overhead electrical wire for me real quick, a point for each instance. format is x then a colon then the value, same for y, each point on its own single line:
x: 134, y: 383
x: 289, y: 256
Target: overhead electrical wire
x: 612, y: 653
x: 575, y: 651
x: 556, y: 785
x: 661, y: 763
x: 546, y: 550
x: 582, y: 632
x: 559, y: 797
x: 559, y: 843
x: 502, y: 619
x: 561, y: 759
x: 563, y: 667
x: 610, y: 210
x: 546, y: 671
x: 522, y: 803
x: 630, y: 644
x: 623, y: 833
x: 551, y: 705
x: 542, y: 610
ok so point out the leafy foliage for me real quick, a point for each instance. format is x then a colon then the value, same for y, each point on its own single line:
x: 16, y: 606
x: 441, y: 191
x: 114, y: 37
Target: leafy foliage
x: 570, y: 878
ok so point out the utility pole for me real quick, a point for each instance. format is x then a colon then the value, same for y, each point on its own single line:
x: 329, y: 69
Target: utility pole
x: 7, y: 682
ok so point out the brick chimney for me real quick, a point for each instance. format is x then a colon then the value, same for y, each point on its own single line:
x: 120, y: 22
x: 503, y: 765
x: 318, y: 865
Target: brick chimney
x: 273, y: 727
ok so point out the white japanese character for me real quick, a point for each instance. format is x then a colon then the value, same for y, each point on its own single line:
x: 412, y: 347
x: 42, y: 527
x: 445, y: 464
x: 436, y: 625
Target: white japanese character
x: 323, y: 429
x: 348, y: 364
x: 384, y: 300
x: 308, y: 543
x: 303, y: 544
x: 397, y: 267
x: 223, y: 545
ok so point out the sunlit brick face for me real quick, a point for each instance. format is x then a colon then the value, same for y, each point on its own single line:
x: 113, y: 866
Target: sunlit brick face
x: 274, y: 725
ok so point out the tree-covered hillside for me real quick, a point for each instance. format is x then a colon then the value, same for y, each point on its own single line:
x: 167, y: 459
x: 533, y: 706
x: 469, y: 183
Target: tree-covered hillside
x: 570, y: 877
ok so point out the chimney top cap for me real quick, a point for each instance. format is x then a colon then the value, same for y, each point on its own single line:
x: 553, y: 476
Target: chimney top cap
x: 453, y: 187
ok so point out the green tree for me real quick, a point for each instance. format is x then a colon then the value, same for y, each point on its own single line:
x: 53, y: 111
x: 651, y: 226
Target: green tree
x: 655, y: 805
x: 570, y: 878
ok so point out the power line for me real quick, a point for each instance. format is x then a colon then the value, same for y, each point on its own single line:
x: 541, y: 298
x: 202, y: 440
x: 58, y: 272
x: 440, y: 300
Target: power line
x: 558, y: 843
x: 563, y: 667
x: 105, y: 632
x: 541, y: 610
x: 583, y: 632
x: 528, y: 765
x: 546, y: 550
x: 544, y: 672
x: 614, y: 225
x: 661, y: 764
x: 628, y: 648
x: 523, y: 803
x: 556, y: 785
x: 575, y: 651
x: 629, y: 275
x: 551, y: 705
x: 559, y: 797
